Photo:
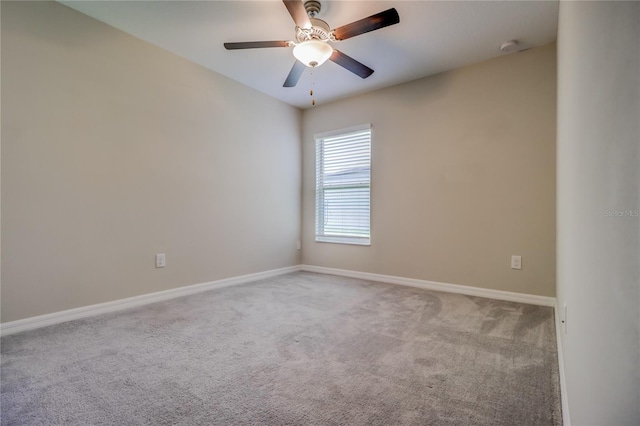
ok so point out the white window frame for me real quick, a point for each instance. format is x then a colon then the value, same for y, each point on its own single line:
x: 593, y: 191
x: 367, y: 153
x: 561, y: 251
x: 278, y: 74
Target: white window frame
x: 361, y: 232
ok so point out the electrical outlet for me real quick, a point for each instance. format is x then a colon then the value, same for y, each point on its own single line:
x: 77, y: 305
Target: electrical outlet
x: 161, y: 260
x: 516, y: 262
x: 298, y: 244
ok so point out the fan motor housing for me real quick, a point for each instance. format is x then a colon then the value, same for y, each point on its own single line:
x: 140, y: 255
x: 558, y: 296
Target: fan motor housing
x: 319, y: 31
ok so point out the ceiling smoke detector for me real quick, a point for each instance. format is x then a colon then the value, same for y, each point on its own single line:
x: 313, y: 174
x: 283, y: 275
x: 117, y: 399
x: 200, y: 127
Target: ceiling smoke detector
x: 509, y: 46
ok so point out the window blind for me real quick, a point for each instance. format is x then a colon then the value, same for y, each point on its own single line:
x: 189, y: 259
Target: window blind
x: 343, y: 187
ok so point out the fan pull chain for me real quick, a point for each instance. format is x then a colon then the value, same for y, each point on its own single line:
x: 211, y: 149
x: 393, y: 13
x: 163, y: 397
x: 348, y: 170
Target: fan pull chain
x: 313, y: 101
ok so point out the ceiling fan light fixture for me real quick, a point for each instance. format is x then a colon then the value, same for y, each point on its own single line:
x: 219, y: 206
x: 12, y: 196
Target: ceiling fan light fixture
x: 313, y: 52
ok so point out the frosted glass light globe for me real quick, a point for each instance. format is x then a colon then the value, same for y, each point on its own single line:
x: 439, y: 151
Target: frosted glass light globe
x: 312, y: 53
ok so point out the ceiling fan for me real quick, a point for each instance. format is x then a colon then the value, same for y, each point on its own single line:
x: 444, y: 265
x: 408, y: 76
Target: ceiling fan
x: 311, y: 47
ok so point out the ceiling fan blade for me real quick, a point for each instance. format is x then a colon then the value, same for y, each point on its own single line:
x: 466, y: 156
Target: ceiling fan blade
x: 351, y: 64
x: 294, y: 74
x: 255, y: 44
x: 373, y: 22
x: 298, y: 13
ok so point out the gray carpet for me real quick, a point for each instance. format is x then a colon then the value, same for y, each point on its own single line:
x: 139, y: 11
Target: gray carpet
x: 299, y: 349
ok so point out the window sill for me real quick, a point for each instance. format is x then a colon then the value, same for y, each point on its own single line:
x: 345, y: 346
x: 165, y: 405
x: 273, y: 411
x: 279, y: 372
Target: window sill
x: 344, y: 240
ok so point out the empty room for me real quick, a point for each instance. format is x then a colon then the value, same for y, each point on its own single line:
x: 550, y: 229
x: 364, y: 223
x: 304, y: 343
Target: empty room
x: 290, y: 212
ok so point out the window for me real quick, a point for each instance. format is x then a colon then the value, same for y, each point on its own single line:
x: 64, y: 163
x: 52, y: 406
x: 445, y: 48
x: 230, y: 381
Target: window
x: 343, y: 183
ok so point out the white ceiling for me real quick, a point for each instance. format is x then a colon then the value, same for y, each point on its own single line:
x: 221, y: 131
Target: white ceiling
x: 432, y: 36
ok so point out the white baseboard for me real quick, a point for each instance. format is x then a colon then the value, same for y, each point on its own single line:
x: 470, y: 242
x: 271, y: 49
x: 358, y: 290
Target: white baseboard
x: 130, y: 302
x: 566, y: 418
x: 116, y: 305
x: 437, y: 286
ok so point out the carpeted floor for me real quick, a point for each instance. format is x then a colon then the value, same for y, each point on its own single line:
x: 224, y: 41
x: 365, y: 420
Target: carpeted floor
x: 298, y: 349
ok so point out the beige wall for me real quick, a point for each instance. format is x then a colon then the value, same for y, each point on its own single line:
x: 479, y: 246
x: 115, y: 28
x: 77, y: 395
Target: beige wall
x: 598, y: 181
x: 114, y: 150
x: 463, y: 176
